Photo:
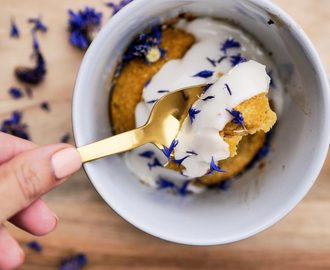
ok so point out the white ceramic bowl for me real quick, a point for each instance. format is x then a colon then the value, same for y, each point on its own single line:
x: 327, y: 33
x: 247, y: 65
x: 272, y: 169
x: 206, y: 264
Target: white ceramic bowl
x: 259, y: 198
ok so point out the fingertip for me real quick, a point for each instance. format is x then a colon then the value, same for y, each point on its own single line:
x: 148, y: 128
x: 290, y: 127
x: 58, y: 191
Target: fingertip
x: 36, y: 219
x: 12, y: 255
x: 65, y: 162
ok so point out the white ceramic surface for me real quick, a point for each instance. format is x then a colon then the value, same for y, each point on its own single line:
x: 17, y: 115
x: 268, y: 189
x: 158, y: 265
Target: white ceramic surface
x: 259, y: 198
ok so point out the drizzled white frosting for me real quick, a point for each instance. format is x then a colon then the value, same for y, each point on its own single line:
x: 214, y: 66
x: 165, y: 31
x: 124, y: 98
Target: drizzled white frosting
x: 202, y: 136
x: 176, y: 74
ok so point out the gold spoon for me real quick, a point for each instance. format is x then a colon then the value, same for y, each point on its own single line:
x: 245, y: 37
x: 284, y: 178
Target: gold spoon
x: 161, y: 128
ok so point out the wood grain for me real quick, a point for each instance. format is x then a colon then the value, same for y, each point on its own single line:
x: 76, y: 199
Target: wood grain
x: 300, y: 241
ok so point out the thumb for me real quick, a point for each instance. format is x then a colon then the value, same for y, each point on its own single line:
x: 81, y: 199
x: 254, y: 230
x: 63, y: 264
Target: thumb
x: 29, y: 175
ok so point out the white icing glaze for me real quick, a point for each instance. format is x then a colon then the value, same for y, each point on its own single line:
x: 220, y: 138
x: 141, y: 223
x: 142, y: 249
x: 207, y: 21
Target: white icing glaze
x: 176, y: 74
x: 245, y: 81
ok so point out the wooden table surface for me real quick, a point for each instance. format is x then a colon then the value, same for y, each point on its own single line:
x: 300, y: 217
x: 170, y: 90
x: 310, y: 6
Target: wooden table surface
x: 300, y: 241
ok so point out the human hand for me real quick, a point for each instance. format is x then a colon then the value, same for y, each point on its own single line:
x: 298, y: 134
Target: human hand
x: 28, y: 171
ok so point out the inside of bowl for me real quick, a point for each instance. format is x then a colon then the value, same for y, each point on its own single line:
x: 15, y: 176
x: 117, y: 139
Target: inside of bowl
x: 261, y: 196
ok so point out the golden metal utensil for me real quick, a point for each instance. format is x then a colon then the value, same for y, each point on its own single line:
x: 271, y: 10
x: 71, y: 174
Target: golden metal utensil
x: 161, y: 128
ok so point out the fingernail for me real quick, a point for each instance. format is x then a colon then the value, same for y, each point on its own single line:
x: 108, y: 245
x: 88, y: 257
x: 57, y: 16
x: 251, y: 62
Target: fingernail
x: 56, y: 221
x: 22, y: 255
x: 65, y: 162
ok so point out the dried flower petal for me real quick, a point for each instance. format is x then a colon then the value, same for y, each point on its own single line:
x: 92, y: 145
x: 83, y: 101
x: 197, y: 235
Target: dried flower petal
x: 163, y: 91
x: 155, y: 164
x: 214, y: 167
x: 146, y: 45
x: 45, y: 106
x: 118, y: 7
x: 192, y: 153
x: 238, y: 118
x: 213, y: 62
x: 237, y: 59
x: 14, y: 126
x: 152, y: 101
x: 147, y: 154
x: 167, y: 151
x: 14, y: 32
x: 15, y: 92
x: 229, y: 43
x: 38, y: 25
x: 35, y: 246
x: 75, y: 262
x: 207, y: 87
x: 204, y: 74
x: 35, y: 74
x: 192, y: 112
x: 208, y: 97
x: 271, y: 79
x: 222, y: 58
x: 183, y: 189
x: 146, y: 83
x: 179, y: 161
x: 227, y: 86
x: 65, y: 138
x: 83, y: 25
x: 164, y: 184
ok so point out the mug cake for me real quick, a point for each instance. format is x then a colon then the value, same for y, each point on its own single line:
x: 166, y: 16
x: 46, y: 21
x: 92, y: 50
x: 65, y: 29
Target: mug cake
x: 225, y: 130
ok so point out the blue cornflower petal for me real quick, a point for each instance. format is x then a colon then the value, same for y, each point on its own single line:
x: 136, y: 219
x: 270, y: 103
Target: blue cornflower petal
x: 192, y: 112
x: 222, y: 58
x: 167, y: 151
x: 225, y: 184
x: 117, y: 7
x: 263, y: 152
x: 35, y: 42
x: 155, y: 164
x: 82, y: 25
x: 65, y: 138
x: 192, y: 153
x: 162, y: 52
x: 146, y: 83
x: 213, y: 62
x: 75, y: 262
x: 147, y: 154
x: 14, y: 126
x: 179, y: 161
x: 183, y: 189
x: 238, y: 118
x: 229, y: 43
x: 142, y: 45
x: 35, y: 246
x: 227, y: 86
x: 271, y: 79
x: 36, y: 74
x: 237, y: 59
x: 45, y: 106
x: 15, y: 92
x: 152, y: 101
x: 163, y: 184
x: 207, y: 87
x: 38, y: 25
x: 163, y: 91
x: 204, y: 74
x: 208, y: 97
x: 14, y: 32
x: 214, y: 167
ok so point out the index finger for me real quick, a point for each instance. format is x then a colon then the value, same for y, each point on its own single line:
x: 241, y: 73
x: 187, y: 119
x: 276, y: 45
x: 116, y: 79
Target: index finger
x: 11, y: 146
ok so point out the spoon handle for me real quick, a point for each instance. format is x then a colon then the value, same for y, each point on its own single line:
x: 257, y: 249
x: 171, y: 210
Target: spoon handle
x: 114, y: 144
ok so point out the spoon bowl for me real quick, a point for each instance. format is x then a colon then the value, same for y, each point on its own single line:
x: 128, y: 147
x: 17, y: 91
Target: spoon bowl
x: 161, y: 128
